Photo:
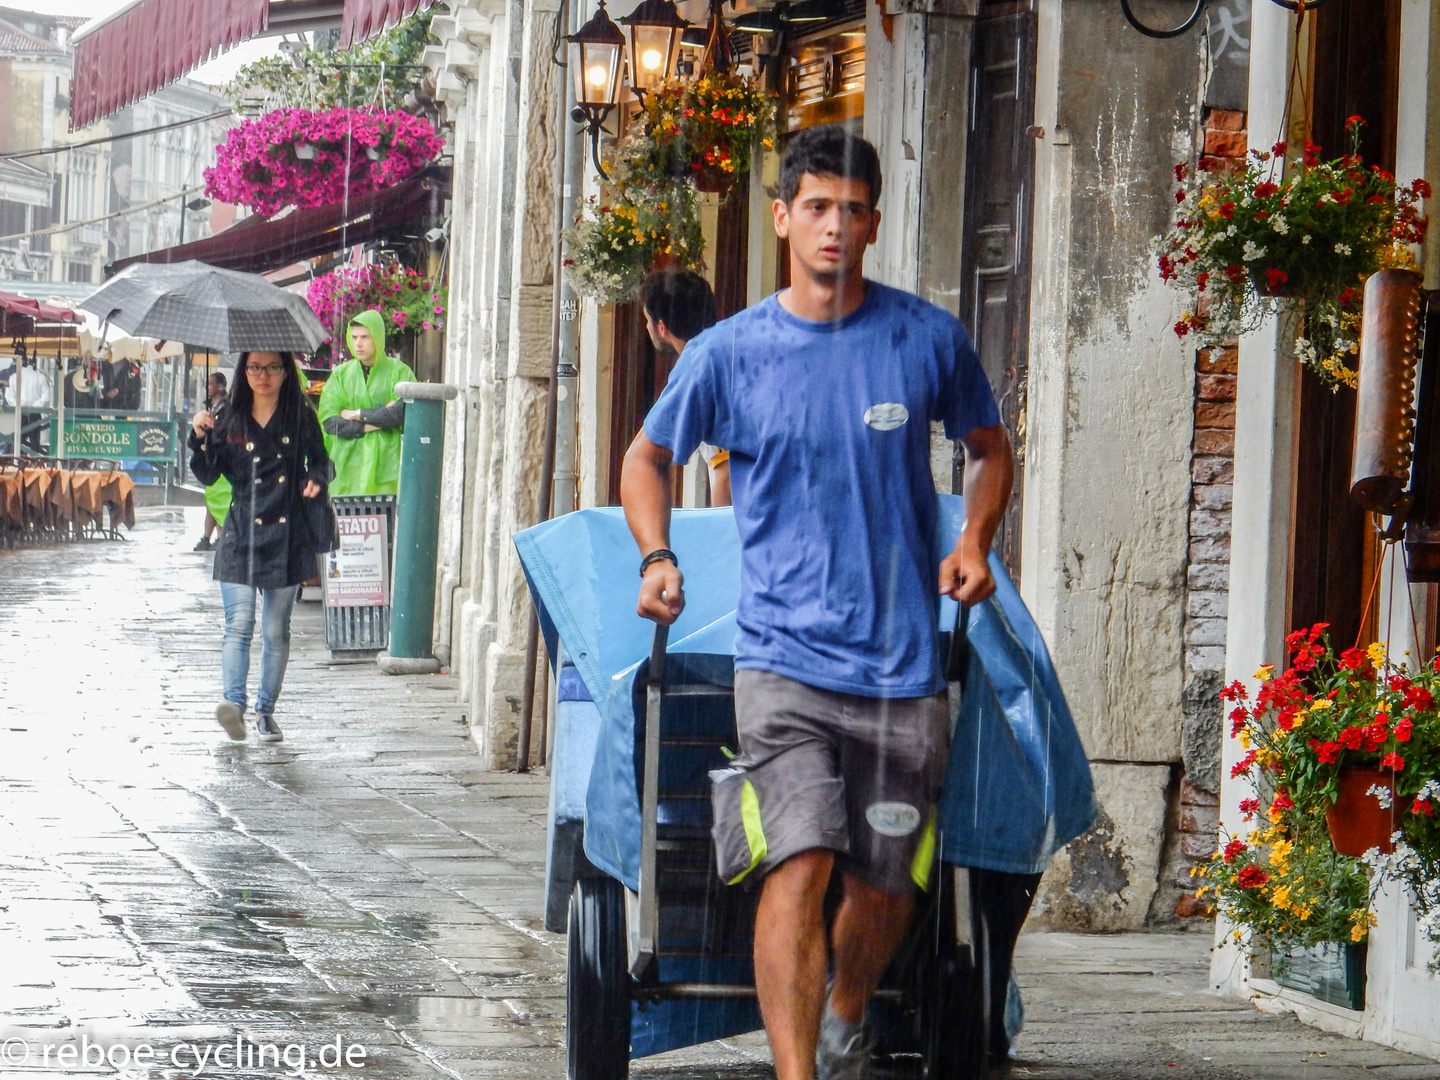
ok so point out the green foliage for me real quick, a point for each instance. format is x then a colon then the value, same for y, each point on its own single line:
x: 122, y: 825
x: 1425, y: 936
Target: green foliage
x: 326, y: 78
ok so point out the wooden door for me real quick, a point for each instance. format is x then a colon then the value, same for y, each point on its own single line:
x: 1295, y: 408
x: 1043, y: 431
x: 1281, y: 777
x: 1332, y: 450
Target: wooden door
x: 995, y: 267
x: 1333, y: 559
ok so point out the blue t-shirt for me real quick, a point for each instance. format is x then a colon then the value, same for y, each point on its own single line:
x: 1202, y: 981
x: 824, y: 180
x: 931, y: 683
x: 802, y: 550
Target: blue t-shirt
x: 828, y: 428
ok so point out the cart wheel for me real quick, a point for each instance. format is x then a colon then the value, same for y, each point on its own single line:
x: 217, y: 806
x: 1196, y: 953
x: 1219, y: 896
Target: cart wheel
x: 597, y: 995
x: 954, y: 1028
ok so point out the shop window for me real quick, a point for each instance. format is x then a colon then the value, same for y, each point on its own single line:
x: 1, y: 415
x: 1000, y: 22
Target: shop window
x: 825, y: 79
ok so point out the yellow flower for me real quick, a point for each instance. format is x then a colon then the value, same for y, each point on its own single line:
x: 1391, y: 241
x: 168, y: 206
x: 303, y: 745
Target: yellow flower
x: 1280, y: 852
x: 1319, y: 705
x: 1244, y: 738
x: 1281, y: 896
x: 1265, y: 673
x: 1376, y: 653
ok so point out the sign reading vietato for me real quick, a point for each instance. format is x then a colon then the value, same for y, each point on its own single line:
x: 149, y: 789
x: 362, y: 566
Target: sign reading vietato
x: 356, y: 574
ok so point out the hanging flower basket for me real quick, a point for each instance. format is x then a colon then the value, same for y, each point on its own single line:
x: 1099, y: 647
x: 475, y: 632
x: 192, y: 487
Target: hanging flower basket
x: 646, y: 220
x: 1309, y: 230
x: 295, y: 157
x: 409, y: 302
x: 1363, y: 815
x: 707, y: 128
x: 1343, y: 752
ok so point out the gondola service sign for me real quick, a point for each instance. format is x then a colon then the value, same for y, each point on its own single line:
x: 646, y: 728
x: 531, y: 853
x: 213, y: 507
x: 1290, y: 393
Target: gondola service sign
x: 356, y: 573
x: 125, y: 440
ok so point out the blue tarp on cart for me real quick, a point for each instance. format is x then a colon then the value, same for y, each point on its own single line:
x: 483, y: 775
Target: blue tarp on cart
x: 1018, y: 785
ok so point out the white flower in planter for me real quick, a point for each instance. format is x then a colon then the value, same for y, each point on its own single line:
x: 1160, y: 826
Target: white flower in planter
x: 1252, y: 251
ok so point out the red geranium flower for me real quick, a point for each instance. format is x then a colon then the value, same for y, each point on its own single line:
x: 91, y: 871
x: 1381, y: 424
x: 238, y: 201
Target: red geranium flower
x: 1249, y: 807
x: 1233, y: 848
x: 1265, y: 190
x: 1252, y: 877
x: 1402, y: 729
x: 1422, y: 806
x: 1392, y: 760
x: 1274, y: 278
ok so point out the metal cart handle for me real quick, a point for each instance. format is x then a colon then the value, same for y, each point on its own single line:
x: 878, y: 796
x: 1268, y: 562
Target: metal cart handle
x: 956, y: 655
x: 649, y: 807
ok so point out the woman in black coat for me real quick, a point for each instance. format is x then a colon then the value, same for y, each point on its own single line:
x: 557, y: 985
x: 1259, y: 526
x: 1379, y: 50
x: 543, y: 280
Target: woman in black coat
x: 269, y: 446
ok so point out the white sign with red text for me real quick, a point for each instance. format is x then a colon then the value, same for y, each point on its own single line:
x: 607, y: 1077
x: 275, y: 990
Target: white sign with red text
x: 357, y: 573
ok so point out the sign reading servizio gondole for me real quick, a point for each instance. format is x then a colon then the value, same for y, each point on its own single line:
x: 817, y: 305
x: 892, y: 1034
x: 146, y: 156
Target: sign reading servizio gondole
x: 122, y: 439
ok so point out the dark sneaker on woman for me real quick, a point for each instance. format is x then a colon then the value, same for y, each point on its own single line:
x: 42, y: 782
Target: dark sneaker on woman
x: 203, y: 544
x: 266, y: 730
x: 232, y: 719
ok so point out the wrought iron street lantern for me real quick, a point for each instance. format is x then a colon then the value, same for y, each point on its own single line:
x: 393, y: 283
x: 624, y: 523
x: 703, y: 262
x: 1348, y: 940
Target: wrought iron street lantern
x: 654, y: 29
x: 595, y: 55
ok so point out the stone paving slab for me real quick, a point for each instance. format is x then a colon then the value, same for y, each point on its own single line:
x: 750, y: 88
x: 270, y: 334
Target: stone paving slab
x: 365, y: 880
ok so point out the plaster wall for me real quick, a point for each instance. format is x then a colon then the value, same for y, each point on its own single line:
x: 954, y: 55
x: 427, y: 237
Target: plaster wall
x: 1108, y: 436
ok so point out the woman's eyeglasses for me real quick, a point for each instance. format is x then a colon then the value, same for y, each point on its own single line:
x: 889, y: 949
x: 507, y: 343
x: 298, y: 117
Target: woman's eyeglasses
x: 266, y: 369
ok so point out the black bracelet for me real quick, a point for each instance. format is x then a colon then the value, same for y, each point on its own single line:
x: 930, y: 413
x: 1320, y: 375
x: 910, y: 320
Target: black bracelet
x: 658, y: 555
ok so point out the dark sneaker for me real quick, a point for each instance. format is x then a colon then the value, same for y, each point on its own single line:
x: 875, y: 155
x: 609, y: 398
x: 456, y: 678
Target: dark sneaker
x: 232, y: 719
x: 843, y: 1051
x: 203, y: 544
x: 266, y: 730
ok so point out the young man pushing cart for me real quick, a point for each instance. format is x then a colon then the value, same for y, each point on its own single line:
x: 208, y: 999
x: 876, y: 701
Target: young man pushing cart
x: 824, y: 394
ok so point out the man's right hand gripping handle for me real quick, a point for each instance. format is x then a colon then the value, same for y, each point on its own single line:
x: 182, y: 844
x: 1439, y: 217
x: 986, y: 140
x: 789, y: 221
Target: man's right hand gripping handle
x: 662, y: 594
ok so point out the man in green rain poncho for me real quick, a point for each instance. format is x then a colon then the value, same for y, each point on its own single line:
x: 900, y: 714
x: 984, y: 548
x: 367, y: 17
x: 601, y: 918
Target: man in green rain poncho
x: 366, y: 455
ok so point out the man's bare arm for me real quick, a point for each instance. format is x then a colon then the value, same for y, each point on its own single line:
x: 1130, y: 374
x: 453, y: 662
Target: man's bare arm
x: 645, y: 495
x: 989, y: 477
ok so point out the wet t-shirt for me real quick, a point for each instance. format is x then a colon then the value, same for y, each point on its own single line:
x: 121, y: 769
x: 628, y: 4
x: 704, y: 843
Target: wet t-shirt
x: 828, y: 428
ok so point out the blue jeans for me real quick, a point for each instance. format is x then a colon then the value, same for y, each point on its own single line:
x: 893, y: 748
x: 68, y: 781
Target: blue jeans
x: 275, y: 636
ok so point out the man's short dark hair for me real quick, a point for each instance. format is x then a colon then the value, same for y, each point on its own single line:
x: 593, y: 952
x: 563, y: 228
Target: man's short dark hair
x: 219, y: 377
x: 829, y: 150
x: 681, y: 299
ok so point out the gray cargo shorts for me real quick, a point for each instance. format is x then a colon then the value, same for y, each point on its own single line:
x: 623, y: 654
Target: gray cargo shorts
x: 822, y: 769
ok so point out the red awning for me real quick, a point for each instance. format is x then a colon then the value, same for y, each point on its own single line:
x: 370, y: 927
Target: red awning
x: 363, y: 19
x: 35, y: 309
x: 260, y: 244
x: 151, y: 43
x: 19, y: 314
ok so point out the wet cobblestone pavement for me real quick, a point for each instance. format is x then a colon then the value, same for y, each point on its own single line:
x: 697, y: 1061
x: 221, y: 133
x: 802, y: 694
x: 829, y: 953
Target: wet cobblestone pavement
x: 364, y: 881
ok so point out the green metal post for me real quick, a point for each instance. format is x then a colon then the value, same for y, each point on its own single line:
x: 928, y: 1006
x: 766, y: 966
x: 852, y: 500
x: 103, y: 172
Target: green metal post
x: 417, y: 530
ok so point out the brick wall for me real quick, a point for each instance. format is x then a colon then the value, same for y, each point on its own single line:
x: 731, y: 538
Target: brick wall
x: 1212, y: 470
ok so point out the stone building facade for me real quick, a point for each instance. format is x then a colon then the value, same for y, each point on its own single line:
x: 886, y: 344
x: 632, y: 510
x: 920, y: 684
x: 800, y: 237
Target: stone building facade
x: 1123, y: 435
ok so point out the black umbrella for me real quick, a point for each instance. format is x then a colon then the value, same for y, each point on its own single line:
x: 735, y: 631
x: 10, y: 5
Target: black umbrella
x: 198, y: 304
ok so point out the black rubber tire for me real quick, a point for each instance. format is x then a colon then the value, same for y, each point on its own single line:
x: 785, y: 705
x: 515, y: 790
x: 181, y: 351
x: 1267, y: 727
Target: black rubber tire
x: 597, y: 992
x: 951, y: 986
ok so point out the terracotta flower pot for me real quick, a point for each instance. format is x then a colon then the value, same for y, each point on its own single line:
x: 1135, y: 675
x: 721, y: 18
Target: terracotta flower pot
x: 1357, y: 822
x: 714, y: 181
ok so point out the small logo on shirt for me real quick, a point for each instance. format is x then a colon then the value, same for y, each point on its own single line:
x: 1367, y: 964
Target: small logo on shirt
x: 893, y: 818
x: 887, y: 416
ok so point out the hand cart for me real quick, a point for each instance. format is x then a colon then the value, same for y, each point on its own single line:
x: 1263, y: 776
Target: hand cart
x: 659, y: 950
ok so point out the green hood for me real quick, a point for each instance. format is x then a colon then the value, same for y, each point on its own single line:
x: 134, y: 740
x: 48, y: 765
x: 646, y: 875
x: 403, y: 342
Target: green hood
x: 373, y: 321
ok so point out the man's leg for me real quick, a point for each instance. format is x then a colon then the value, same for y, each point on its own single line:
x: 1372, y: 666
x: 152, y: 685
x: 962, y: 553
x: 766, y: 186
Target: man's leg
x: 868, y: 929
x: 790, y: 959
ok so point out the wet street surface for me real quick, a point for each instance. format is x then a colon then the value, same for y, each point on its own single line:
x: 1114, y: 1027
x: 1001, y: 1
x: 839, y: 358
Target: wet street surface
x: 361, y: 899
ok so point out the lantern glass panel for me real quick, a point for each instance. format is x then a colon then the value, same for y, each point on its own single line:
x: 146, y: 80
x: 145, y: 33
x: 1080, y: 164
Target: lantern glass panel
x: 653, y: 51
x: 597, y: 72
